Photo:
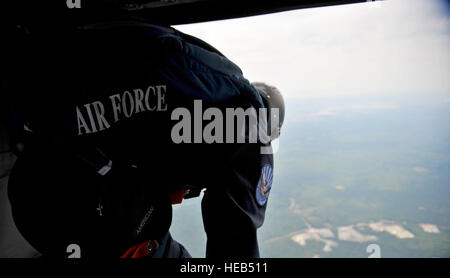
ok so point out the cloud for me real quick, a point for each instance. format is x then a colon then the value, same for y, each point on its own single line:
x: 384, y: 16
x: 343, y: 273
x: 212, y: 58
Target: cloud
x: 387, y: 47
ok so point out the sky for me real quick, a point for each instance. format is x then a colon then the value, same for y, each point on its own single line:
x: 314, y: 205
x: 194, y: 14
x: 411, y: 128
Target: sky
x: 392, y: 47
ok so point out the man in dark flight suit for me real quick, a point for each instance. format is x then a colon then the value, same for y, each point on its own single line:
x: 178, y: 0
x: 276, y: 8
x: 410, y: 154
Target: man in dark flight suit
x: 103, y: 161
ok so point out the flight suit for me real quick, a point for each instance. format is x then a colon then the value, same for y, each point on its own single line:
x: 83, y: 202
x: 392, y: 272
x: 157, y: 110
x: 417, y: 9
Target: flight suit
x: 101, y: 162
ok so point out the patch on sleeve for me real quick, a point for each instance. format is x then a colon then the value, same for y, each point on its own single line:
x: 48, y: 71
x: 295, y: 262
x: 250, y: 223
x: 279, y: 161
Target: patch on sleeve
x: 264, y: 185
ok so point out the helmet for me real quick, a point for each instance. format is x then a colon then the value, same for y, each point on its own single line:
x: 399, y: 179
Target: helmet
x: 272, y: 99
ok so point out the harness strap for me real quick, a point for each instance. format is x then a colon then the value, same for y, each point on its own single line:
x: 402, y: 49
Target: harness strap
x: 141, y: 250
